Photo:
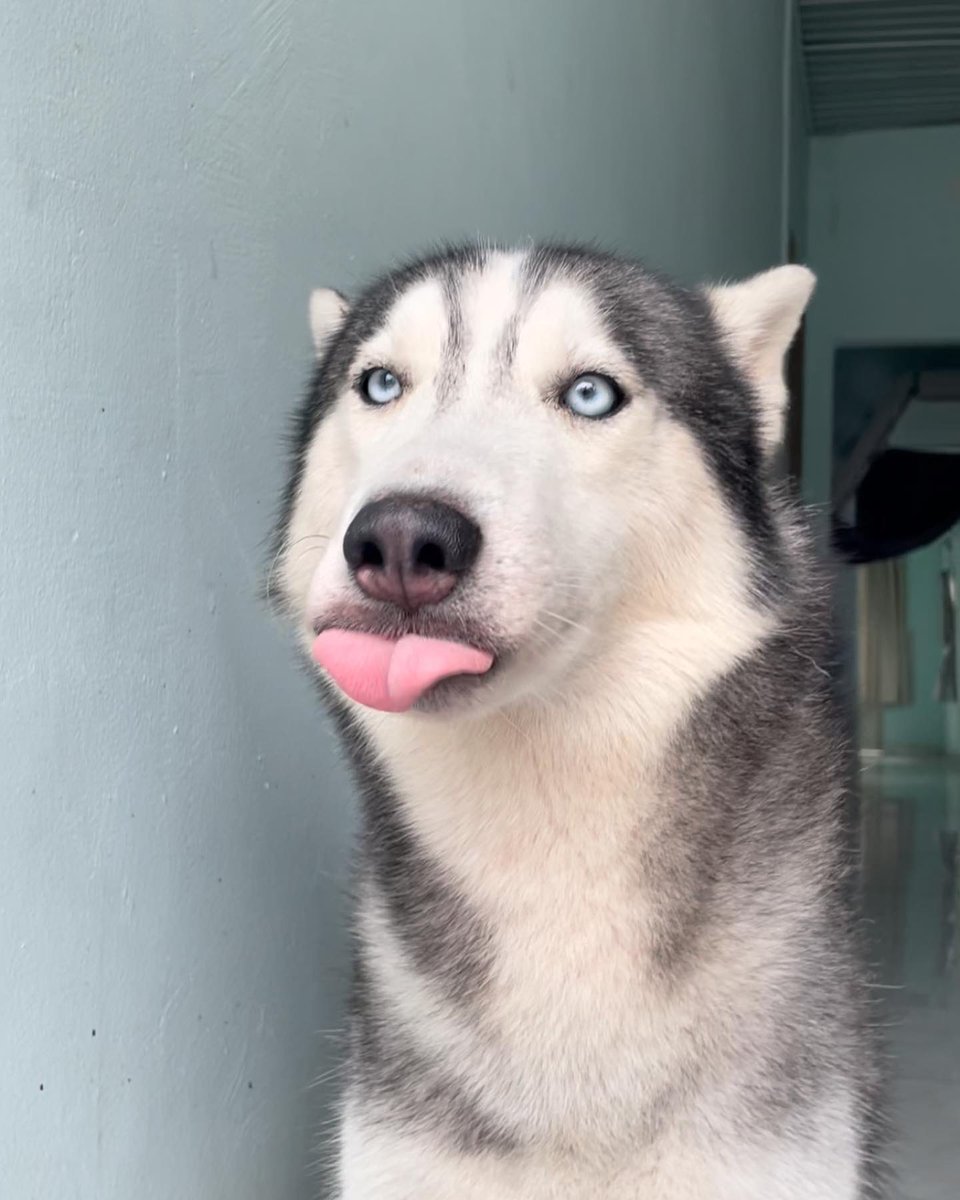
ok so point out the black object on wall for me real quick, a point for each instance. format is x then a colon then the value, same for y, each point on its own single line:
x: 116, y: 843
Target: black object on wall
x: 906, y: 500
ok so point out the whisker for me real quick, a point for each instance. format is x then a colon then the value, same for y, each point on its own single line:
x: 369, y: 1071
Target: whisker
x: 283, y: 549
x: 327, y: 1076
x: 545, y: 642
x: 516, y: 728
x: 566, y: 620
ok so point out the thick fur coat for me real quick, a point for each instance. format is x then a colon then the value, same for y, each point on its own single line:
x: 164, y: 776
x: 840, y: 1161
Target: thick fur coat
x: 606, y: 942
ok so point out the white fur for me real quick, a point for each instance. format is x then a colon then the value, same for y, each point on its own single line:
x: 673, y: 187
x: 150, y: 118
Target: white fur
x: 327, y: 310
x: 576, y: 513
x: 712, y: 1163
x: 760, y: 317
x: 620, y: 574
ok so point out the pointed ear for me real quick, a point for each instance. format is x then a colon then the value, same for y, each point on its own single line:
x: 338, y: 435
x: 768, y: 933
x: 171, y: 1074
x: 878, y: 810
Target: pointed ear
x: 759, y: 319
x: 328, y: 309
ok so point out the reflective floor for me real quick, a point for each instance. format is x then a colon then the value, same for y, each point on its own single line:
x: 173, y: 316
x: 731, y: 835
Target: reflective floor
x: 911, y: 815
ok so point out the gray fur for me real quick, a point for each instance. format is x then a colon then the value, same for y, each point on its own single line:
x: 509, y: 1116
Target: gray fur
x: 755, y: 789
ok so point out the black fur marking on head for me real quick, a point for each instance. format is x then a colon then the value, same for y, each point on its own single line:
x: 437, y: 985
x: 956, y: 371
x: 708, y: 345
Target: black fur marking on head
x: 507, y: 346
x: 667, y: 332
x: 451, y: 367
x: 670, y: 336
x: 365, y: 316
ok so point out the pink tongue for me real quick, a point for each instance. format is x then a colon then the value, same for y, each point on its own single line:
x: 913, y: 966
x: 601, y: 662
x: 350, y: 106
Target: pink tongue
x: 393, y: 675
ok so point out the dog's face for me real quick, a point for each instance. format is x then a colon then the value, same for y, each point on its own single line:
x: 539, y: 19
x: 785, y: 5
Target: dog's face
x: 506, y: 456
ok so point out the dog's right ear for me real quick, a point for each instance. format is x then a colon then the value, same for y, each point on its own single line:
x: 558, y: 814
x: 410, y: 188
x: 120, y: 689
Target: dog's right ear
x: 759, y: 318
x: 328, y: 310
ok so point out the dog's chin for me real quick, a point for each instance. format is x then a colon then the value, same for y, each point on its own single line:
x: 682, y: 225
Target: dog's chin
x: 461, y: 695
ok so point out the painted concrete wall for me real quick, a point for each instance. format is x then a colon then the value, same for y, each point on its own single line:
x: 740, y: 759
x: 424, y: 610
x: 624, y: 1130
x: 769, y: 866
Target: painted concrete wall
x: 921, y: 725
x: 951, y: 732
x: 174, y: 177
x: 797, y: 161
x: 884, y: 238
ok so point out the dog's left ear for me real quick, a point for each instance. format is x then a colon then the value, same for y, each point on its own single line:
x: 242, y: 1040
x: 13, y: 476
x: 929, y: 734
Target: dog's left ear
x: 328, y: 310
x: 759, y: 319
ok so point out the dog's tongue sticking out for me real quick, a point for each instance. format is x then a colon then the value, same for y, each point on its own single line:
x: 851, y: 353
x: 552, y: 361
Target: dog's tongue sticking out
x: 393, y: 675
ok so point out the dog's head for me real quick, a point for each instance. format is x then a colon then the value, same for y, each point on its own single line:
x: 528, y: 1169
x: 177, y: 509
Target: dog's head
x: 507, y: 456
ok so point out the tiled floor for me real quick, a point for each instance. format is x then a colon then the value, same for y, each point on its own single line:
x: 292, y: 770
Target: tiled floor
x: 912, y: 864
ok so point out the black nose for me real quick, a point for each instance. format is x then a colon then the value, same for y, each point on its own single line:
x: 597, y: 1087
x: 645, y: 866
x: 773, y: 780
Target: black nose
x: 410, y: 551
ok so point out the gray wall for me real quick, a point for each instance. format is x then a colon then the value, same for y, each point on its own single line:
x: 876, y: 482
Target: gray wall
x: 884, y: 239
x: 174, y: 177
x: 797, y: 159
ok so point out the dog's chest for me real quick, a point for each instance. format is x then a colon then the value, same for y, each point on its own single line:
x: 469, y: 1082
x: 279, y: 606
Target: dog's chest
x: 571, y: 1029
x: 573, y: 1004
x: 574, y: 992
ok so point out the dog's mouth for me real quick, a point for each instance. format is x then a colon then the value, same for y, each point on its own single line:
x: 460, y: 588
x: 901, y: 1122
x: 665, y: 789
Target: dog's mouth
x: 394, y: 667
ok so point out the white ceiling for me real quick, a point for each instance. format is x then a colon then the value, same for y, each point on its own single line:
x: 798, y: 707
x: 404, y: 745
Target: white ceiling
x: 881, y: 64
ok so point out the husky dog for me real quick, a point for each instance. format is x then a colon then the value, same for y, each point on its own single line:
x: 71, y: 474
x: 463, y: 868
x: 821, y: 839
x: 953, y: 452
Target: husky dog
x: 575, y: 643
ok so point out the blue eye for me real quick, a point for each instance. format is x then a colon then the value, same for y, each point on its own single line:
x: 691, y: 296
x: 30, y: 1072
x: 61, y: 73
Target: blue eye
x: 380, y: 386
x: 593, y: 396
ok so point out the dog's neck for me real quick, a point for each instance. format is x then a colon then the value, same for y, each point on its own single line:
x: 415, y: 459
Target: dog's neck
x: 580, y: 755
